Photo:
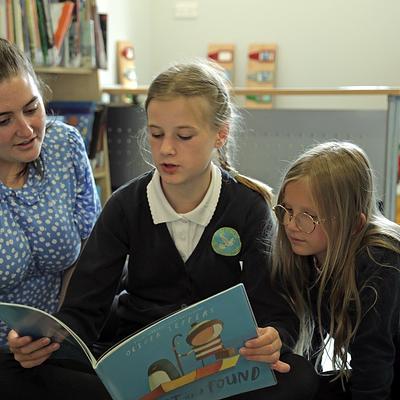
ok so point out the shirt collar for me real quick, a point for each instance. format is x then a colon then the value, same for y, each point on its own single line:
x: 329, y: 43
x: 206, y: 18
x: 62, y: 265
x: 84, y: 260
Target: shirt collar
x: 162, y: 211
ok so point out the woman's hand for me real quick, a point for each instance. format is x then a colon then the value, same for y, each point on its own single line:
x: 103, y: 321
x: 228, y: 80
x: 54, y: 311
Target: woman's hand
x: 30, y: 353
x: 267, y: 348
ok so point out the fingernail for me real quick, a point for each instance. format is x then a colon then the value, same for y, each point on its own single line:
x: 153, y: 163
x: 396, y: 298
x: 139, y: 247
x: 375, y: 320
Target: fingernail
x: 45, y: 341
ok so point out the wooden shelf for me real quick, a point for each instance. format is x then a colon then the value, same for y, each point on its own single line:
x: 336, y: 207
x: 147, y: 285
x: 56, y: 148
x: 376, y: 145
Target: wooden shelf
x: 64, y: 70
x: 71, y: 83
x: 244, y: 91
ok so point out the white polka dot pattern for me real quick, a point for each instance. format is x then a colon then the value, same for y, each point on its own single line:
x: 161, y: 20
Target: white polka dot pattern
x: 43, y: 223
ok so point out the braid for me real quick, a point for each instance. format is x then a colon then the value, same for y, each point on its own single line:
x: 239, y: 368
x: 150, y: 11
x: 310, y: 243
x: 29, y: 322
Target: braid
x: 257, y: 186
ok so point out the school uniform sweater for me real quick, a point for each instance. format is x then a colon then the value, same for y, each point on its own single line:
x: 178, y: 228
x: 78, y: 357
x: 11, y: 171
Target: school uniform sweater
x: 375, y: 349
x: 159, y: 281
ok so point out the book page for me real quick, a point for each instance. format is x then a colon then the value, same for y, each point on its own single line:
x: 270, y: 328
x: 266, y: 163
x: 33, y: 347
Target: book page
x: 29, y: 321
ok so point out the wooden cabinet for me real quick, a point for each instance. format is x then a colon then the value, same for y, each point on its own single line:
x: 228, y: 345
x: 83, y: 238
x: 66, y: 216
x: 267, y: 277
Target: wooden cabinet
x: 80, y: 84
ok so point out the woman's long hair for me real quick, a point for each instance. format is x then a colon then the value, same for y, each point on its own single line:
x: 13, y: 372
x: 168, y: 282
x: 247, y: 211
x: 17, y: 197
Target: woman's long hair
x: 341, y: 184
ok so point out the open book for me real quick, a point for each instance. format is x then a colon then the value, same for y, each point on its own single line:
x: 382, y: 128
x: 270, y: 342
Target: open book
x: 193, y: 353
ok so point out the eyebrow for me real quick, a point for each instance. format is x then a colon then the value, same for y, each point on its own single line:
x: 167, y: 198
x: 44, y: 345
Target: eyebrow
x: 190, y: 127
x: 34, y: 98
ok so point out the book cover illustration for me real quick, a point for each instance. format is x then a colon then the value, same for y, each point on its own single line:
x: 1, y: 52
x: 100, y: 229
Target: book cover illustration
x: 191, y: 354
x: 79, y: 114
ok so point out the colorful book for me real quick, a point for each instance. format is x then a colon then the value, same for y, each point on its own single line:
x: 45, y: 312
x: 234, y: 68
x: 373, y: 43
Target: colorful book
x: 79, y: 114
x: 191, y: 354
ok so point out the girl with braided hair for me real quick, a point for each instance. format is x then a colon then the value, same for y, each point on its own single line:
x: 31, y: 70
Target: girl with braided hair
x: 192, y: 227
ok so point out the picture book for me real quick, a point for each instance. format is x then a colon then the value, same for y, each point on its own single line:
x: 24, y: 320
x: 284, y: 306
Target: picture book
x: 190, y: 354
x: 79, y: 114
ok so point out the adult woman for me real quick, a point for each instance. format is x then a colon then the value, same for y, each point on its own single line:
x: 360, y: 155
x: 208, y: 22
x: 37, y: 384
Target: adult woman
x: 49, y: 202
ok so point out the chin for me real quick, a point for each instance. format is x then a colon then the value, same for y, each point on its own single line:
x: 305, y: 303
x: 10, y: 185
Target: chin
x: 301, y: 251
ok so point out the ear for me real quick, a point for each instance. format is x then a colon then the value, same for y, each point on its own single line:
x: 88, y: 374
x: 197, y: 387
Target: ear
x: 222, y: 136
x: 361, y: 222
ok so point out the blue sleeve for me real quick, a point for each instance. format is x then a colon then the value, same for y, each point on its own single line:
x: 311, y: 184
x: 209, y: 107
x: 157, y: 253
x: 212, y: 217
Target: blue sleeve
x: 87, y: 203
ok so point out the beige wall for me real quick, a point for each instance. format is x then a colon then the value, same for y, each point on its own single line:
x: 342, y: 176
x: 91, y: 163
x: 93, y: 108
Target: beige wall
x: 320, y: 42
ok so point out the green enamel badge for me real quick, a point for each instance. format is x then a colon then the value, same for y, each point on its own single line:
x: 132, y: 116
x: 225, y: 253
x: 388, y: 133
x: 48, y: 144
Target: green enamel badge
x: 226, y: 241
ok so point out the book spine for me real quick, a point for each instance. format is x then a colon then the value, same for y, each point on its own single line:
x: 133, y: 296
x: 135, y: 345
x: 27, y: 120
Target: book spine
x: 10, y: 21
x: 63, y: 22
x: 3, y: 19
x: 17, y: 17
x: 38, y: 45
x: 88, y: 51
x: 101, y: 59
x: 51, y: 56
x: 75, y: 36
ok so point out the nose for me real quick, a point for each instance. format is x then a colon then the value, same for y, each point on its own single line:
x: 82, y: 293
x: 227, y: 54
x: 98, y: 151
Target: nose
x: 292, y: 224
x: 167, y: 146
x: 24, y: 128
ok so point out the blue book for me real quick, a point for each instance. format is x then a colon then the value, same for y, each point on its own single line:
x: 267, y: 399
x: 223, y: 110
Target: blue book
x: 79, y: 114
x: 191, y: 354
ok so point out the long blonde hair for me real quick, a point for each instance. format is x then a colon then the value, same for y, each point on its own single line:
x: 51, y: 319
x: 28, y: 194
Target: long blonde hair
x: 205, y: 79
x: 341, y: 183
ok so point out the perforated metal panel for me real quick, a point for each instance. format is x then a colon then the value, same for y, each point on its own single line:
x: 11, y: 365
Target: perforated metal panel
x: 273, y: 138
x: 123, y: 126
x: 270, y: 141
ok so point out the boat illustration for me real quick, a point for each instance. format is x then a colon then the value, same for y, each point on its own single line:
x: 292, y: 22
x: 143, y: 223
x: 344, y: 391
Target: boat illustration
x: 202, y: 372
x: 205, y: 341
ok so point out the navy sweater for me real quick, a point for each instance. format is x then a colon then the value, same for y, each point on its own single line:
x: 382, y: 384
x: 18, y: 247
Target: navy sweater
x: 375, y: 349
x: 158, y: 281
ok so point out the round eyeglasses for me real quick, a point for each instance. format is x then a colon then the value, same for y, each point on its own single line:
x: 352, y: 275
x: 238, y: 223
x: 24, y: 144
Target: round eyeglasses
x: 304, y: 222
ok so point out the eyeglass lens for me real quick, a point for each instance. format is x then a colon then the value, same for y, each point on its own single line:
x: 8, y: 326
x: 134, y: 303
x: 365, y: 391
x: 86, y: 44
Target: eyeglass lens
x: 303, y: 221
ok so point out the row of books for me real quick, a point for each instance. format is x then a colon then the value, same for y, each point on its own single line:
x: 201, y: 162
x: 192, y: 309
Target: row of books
x: 68, y: 33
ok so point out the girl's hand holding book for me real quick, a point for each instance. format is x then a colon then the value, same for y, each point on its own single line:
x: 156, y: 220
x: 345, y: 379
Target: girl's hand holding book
x: 267, y: 348
x: 28, y: 352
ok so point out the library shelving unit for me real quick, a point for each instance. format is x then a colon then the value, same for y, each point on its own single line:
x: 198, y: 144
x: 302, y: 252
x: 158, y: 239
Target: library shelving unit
x: 390, y: 140
x: 82, y: 84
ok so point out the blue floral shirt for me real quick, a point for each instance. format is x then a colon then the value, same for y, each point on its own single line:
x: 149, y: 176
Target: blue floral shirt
x: 42, y: 223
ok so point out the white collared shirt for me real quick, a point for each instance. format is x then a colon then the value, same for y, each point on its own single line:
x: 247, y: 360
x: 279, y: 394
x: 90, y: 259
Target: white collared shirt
x: 185, y: 229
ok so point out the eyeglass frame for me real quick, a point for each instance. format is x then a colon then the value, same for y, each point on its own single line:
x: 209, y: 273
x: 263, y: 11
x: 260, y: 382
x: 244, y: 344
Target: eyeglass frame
x: 316, y: 221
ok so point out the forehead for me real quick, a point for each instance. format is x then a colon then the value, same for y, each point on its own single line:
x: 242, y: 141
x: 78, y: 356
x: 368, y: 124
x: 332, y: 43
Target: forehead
x: 16, y: 91
x: 178, y: 110
x: 298, y: 192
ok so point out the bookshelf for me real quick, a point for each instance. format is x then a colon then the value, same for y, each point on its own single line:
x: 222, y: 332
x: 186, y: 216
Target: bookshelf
x: 76, y: 84
x: 60, y: 38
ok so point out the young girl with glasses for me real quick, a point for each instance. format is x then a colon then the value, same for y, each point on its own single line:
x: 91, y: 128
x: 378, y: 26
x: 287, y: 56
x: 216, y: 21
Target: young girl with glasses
x: 339, y: 260
x: 168, y: 221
